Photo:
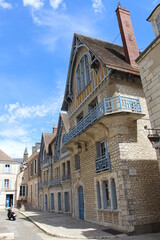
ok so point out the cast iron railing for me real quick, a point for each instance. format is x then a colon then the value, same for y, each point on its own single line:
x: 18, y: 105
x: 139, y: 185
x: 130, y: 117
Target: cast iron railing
x: 106, y: 107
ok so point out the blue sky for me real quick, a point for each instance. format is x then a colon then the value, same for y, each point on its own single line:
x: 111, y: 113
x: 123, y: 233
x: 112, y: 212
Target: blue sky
x: 35, y: 44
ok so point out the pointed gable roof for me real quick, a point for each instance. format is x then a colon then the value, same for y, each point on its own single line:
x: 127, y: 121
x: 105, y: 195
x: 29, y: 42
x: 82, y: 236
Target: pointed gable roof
x: 65, y: 120
x: 4, y: 156
x: 47, y: 139
x: 110, y: 55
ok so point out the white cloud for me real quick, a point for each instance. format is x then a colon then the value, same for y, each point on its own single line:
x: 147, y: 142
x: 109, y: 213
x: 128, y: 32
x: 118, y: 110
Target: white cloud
x: 14, y: 148
x: 97, y: 5
x: 5, y: 5
x: 36, y: 4
x: 61, y: 27
x: 55, y: 3
x: 15, y: 112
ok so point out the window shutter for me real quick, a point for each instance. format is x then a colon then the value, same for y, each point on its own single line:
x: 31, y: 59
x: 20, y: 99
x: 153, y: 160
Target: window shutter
x: 98, y: 196
x: 3, y: 168
x: 10, y: 168
x: 10, y: 183
x: 104, y: 196
x: 2, y: 182
x: 98, y: 149
x: 114, y: 196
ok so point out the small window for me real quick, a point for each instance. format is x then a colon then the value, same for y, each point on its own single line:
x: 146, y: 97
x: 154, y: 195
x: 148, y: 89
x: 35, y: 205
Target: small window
x: 77, y: 162
x: 106, y: 199
x: 92, y: 104
x: 6, y: 183
x: 35, y: 166
x: 79, y: 117
x: 22, y: 191
x: 158, y: 23
x: 64, y: 169
x: 31, y: 169
x: 68, y: 168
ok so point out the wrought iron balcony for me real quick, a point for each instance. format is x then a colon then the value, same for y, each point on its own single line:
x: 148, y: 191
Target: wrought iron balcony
x: 66, y: 177
x: 45, y: 183
x: 102, y: 164
x: 107, y: 106
x: 54, y: 182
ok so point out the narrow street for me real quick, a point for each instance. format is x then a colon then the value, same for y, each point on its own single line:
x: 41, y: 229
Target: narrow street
x: 22, y: 228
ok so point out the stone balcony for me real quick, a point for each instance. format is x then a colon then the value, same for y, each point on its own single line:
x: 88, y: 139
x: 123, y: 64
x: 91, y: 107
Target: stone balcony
x: 113, y: 105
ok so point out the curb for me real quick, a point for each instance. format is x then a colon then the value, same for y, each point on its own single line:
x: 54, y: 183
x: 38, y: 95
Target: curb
x: 68, y: 237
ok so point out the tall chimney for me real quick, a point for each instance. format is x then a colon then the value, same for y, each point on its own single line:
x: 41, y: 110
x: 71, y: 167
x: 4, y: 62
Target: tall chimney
x: 127, y: 34
x: 54, y: 129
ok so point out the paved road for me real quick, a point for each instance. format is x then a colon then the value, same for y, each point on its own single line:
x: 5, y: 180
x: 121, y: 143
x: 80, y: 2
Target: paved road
x: 22, y: 228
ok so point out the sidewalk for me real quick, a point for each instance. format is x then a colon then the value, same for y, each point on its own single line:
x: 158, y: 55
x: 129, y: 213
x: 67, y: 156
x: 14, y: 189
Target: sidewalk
x: 64, y: 226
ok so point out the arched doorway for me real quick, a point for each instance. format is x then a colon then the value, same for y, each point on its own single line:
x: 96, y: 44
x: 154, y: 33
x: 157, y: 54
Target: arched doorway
x: 81, y: 203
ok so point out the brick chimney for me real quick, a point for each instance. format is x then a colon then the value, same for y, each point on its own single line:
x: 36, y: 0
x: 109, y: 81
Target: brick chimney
x: 54, y: 129
x: 127, y: 34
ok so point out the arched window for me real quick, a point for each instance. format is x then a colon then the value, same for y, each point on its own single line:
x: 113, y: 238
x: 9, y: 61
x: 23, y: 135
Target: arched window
x: 158, y: 23
x: 83, y: 75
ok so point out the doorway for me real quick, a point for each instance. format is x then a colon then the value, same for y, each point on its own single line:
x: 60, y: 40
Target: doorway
x: 9, y: 200
x: 81, y: 203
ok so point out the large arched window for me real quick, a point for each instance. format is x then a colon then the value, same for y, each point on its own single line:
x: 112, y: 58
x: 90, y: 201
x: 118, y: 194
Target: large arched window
x: 158, y: 23
x: 83, y: 75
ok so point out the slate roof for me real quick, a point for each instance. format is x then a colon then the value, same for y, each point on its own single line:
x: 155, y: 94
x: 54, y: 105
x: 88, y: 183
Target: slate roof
x: 48, y: 137
x: 111, y: 55
x: 4, y: 156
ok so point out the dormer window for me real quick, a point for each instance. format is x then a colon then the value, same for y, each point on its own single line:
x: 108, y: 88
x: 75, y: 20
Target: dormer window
x: 158, y: 23
x: 83, y: 74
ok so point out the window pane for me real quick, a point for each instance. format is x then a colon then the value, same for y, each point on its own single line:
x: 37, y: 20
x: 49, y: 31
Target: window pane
x: 98, y: 195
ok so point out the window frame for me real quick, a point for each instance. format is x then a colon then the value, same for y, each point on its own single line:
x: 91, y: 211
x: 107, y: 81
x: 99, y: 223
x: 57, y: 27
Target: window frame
x: 158, y: 23
x: 83, y: 67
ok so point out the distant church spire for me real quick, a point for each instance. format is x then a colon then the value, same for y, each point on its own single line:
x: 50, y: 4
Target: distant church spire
x: 25, y: 156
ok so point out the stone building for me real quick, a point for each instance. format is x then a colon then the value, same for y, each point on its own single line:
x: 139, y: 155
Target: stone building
x: 45, y: 171
x: 33, y: 177
x: 9, y: 168
x: 22, y: 182
x: 60, y: 182
x: 149, y: 65
x: 115, y: 178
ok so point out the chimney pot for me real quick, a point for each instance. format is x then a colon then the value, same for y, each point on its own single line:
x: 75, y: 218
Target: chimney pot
x: 54, y: 129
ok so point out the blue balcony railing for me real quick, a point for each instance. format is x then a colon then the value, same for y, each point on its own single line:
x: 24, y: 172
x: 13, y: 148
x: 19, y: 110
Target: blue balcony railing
x: 45, y: 183
x: 106, y: 107
x: 102, y: 164
x: 54, y: 182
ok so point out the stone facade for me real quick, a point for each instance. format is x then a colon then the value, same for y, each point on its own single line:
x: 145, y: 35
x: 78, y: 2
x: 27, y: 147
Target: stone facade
x: 115, y: 179
x: 149, y: 65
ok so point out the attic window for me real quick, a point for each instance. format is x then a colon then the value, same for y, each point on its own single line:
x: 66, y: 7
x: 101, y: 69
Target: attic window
x: 158, y: 23
x: 83, y: 76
